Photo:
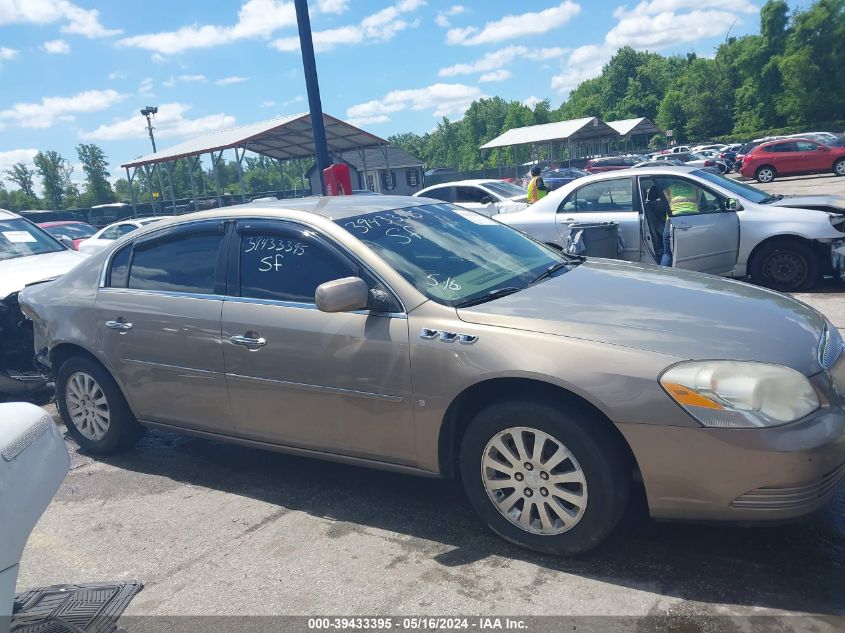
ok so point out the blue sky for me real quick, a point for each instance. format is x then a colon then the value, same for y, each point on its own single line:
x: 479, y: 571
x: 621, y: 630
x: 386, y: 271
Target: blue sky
x: 79, y: 70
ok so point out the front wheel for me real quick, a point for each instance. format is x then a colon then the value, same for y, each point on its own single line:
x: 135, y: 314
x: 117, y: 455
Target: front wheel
x: 93, y: 408
x: 765, y: 174
x: 839, y: 167
x: 786, y: 266
x: 546, y: 476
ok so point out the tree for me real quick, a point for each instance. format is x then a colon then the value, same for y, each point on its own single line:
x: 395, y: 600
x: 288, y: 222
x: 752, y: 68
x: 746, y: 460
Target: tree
x: 55, y: 174
x: 23, y: 177
x: 98, y: 189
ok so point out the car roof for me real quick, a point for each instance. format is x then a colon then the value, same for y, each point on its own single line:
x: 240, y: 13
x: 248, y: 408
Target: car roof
x: 4, y: 214
x: 668, y: 170
x: 462, y: 183
x: 47, y: 225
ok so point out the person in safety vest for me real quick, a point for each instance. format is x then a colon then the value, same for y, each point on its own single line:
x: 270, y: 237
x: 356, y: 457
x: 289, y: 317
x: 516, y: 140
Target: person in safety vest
x: 683, y: 198
x: 536, y: 188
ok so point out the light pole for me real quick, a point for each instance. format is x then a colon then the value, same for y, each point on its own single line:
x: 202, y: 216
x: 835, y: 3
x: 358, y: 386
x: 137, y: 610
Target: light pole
x: 148, y: 113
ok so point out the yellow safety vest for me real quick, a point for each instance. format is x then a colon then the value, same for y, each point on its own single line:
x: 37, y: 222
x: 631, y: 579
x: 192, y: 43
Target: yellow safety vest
x: 534, y: 193
x: 682, y: 198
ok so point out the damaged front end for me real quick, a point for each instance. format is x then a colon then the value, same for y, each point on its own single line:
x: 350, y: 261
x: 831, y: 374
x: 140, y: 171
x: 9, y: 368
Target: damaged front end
x: 19, y: 375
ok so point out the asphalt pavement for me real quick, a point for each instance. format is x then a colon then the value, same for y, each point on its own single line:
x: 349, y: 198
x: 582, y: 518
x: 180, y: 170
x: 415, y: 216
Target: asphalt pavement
x: 215, y: 529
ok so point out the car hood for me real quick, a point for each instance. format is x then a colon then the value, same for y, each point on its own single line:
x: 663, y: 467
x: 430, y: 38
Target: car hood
x: 663, y: 310
x: 834, y: 203
x: 17, y: 273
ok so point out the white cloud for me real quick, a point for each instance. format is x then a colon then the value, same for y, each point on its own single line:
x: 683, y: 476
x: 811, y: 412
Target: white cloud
x: 256, y: 19
x: 443, y: 99
x: 513, y: 26
x: 495, y: 75
x: 9, y: 158
x: 45, y: 113
x: 146, y: 87
x: 267, y: 104
x: 501, y: 58
x: 76, y: 20
x: 653, y: 25
x: 228, y: 81
x: 332, y: 6
x: 117, y: 74
x: 368, y: 120
x: 531, y: 101
x: 290, y: 102
x: 442, y: 18
x: 185, y: 79
x: 56, y: 47
x: 170, y: 122
x: 381, y: 26
x: 7, y: 53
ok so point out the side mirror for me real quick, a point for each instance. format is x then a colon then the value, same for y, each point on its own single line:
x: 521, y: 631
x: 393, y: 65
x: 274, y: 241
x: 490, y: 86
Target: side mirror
x: 487, y: 200
x: 342, y: 295
x: 732, y: 204
x: 64, y: 239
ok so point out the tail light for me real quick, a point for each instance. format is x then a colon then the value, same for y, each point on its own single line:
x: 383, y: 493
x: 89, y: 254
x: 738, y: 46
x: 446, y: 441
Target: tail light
x: 709, y: 163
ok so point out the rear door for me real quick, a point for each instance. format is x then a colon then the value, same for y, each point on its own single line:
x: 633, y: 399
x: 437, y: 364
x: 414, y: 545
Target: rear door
x: 610, y: 200
x: 159, y: 325
x: 707, y: 240
x: 786, y: 158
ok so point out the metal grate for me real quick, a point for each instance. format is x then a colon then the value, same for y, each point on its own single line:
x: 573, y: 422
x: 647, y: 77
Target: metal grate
x: 792, y: 497
x: 831, y: 348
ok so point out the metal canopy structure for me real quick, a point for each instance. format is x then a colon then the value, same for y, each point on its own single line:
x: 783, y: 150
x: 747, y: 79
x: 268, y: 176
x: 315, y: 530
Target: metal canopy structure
x: 283, y: 139
x: 634, y: 127
x: 574, y: 130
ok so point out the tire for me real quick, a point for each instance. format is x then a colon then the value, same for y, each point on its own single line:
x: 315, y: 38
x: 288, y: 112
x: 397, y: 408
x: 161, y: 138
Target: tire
x: 765, y: 174
x: 785, y: 265
x: 595, y: 474
x: 93, y: 408
x: 839, y: 167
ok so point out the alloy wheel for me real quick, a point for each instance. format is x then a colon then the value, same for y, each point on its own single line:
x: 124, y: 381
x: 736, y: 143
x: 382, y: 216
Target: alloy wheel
x: 840, y: 168
x: 87, y: 406
x: 765, y: 175
x: 534, y: 481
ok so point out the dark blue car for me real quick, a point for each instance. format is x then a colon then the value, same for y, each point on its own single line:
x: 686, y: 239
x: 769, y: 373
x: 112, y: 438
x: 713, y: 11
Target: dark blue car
x: 556, y: 178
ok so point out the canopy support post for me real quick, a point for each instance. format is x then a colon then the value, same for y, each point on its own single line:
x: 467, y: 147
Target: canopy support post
x: 238, y: 159
x: 364, y: 163
x: 388, y: 177
x: 167, y: 168
x: 149, y: 176
x: 132, y: 193
x: 192, y: 164
x: 216, y: 177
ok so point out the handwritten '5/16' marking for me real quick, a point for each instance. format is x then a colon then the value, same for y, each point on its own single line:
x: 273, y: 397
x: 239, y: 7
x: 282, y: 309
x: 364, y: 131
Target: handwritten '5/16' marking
x: 274, y: 244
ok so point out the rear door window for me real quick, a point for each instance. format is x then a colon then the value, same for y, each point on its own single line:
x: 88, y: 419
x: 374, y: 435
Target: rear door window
x: 184, y: 262
x: 441, y: 193
x: 602, y: 196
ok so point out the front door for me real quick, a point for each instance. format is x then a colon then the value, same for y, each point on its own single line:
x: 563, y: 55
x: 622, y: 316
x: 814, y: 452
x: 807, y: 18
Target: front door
x: 373, y: 183
x: 159, y: 326
x: 814, y: 157
x: 705, y: 239
x: 337, y: 383
x: 609, y: 200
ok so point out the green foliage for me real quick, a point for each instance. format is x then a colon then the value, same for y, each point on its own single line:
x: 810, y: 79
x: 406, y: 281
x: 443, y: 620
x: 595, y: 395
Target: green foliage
x: 98, y: 189
x: 23, y: 177
x: 54, y: 171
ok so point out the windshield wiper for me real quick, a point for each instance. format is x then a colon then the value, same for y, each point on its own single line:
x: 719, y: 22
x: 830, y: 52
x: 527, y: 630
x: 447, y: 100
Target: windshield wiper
x: 773, y: 198
x: 493, y: 294
x: 549, y: 272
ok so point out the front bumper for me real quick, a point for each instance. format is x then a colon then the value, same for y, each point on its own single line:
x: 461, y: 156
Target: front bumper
x: 774, y: 474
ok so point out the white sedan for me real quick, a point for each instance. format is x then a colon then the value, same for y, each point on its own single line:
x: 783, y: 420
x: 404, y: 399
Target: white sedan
x: 737, y: 230
x: 489, y: 197
x: 106, y: 236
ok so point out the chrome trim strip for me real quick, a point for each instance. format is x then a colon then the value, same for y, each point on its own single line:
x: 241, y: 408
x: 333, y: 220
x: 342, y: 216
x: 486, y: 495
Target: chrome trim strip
x: 320, y: 388
x: 165, y: 293
x: 310, y: 306
x: 146, y: 363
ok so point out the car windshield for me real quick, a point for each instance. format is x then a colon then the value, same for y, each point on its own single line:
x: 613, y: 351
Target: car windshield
x: 76, y: 231
x: 19, y: 238
x: 452, y: 255
x: 505, y: 189
x: 741, y: 189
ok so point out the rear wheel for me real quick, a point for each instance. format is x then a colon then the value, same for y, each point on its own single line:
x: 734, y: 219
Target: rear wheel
x: 93, y: 408
x: 545, y: 476
x: 786, y: 265
x: 839, y: 167
x: 765, y: 174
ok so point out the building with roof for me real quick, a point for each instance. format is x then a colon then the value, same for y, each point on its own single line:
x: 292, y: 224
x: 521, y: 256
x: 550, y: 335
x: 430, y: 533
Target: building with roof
x: 383, y: 169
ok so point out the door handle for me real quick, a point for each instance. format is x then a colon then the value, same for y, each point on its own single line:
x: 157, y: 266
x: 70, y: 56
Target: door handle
x: 119, y: 325
x: 250, y: 342
x: 683, y: 226
x: 569, y: 220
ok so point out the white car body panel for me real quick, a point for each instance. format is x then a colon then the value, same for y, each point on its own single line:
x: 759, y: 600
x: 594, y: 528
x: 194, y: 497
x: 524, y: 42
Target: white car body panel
x: 16, y: 273
x: 502, y: 204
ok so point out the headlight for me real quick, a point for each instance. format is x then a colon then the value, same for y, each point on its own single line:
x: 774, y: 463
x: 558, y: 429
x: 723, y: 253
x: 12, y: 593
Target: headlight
x: 738, y: 394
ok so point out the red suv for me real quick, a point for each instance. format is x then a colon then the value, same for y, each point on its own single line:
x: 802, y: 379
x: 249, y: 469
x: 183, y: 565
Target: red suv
x: 612, y: 163
x: 788, y: 157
